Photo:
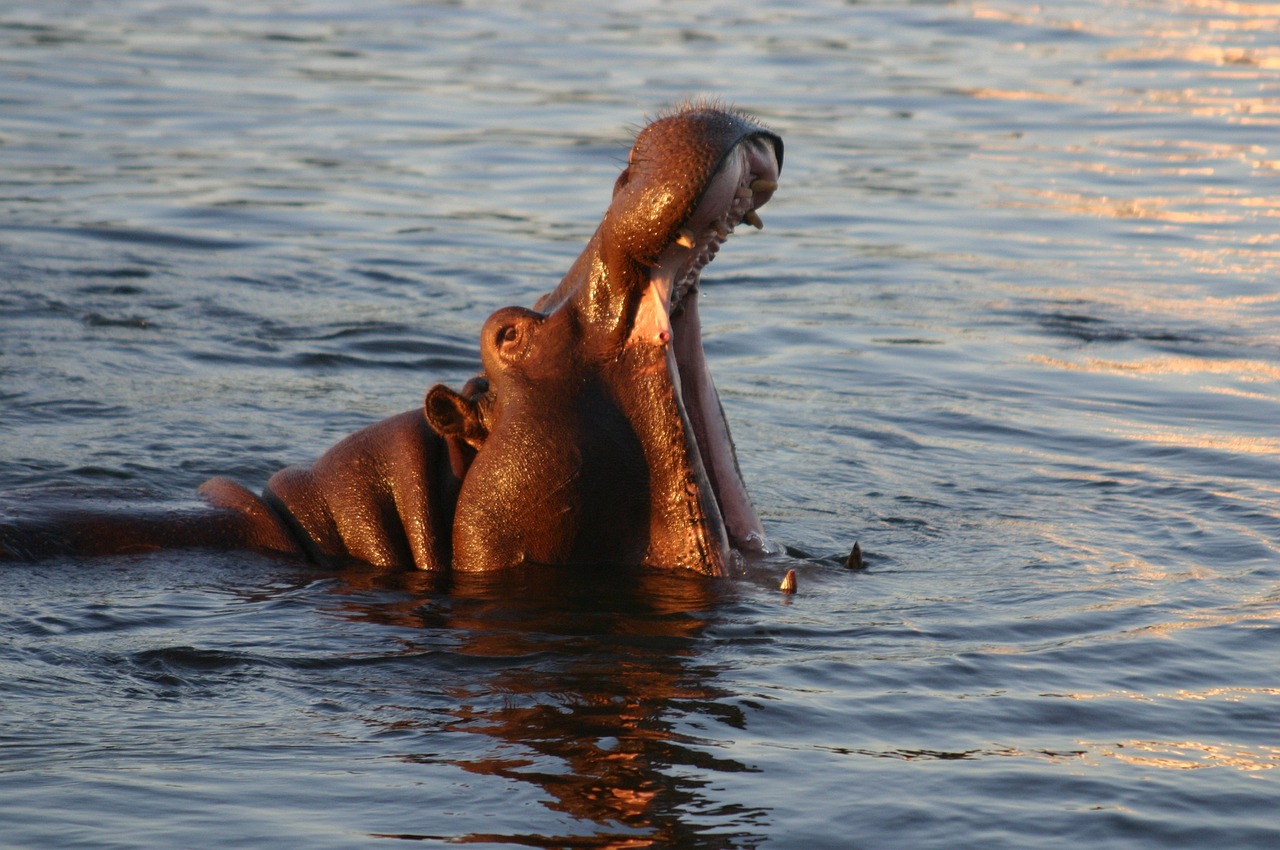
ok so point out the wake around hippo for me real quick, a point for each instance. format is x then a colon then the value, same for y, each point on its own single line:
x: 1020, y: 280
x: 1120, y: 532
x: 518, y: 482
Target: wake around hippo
x: 594, y: 435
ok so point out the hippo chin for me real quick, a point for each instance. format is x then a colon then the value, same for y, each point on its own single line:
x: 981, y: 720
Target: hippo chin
x: 594, y: 435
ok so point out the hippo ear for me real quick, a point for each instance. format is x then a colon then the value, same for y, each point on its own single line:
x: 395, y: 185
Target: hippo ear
x: 452, y: 414
x: 446, y: 411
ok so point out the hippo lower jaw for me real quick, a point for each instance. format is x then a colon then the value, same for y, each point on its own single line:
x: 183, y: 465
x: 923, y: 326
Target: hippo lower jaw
x: 668, y: 316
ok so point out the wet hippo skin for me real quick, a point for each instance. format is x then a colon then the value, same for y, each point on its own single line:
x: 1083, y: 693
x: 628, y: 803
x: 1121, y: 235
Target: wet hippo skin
x: 606, y: 440
x: 595, y: 433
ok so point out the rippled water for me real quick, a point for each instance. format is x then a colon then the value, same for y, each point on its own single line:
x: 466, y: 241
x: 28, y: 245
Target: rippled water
x: 1013, y: 323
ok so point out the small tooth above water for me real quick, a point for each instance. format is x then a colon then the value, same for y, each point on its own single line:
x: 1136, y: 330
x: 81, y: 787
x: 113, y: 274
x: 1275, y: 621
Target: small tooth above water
x: 686, y: 238
x: 744, y: 193
x: 762, y: 185
x: 753, y: 219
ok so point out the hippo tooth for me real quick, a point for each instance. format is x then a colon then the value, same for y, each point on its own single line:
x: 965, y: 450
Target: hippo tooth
x: 721, y: 229
x: 753, y: 219
x: 854, y: 561
x: 762, y: 185
x: 744, y: 193
x: 686, y: 238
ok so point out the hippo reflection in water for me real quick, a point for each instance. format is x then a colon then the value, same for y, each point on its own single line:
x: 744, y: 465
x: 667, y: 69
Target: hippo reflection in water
x: 594, y: 434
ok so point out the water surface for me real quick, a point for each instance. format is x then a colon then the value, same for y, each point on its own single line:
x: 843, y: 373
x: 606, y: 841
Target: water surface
x: 1012, y: 324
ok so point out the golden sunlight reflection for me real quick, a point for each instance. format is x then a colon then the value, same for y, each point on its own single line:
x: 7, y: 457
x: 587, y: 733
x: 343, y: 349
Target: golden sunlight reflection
x: 1262, y: 617
x: 1028, y: 16
x: 1225, y: 694
x: 1176, y: 210
x: 1266, y: 57
x: 1250, y: 379
x: 1247, y: 370
x: 1197, y: 440
x: 1188, y: 755
x: 1172, y: 302
x: 1171, y: 135
x: 1020, y: 94
x: 1191, y: 438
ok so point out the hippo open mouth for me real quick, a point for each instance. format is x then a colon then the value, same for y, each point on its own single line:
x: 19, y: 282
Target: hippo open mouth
x: 668, y: 312
x: 598, y: 432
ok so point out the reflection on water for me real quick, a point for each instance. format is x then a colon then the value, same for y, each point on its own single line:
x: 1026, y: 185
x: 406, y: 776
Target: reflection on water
x: 1184, y: 102
x: 1190, y: 755
x: 576, y: 681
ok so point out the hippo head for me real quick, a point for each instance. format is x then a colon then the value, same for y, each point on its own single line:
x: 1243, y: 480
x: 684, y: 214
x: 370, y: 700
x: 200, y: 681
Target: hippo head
x: 691, y: 178
x: 602, y: 434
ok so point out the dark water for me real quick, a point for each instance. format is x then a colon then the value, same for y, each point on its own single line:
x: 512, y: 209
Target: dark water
x: 1013, y: 323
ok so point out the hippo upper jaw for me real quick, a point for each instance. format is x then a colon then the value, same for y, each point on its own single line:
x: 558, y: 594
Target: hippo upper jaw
x: 745, y: 181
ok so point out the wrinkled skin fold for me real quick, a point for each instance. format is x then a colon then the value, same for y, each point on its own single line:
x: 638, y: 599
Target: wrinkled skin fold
x: 594, y: 435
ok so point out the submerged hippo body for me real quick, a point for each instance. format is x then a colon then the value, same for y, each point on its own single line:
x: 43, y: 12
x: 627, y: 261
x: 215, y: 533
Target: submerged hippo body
x: 384, y: 495
x: 595, y: 434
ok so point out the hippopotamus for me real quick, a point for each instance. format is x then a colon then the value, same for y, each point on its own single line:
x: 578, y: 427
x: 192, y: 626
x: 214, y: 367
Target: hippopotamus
x: 594, y: 433
x: 607, y: 439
